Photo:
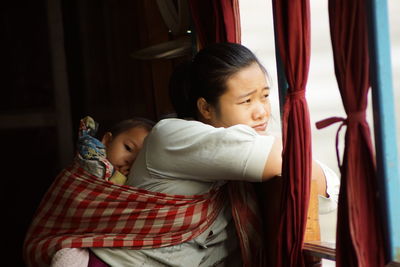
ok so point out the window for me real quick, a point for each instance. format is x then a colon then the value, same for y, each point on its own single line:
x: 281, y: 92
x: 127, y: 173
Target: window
x: 322, y: 93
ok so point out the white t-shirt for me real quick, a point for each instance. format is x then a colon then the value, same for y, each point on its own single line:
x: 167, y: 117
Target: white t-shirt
x: 190, y: 157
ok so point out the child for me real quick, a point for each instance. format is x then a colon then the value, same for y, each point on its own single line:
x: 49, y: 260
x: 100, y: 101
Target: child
x: 109, y: 159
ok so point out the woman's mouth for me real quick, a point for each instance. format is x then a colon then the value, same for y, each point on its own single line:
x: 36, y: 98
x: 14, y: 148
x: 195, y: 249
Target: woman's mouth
x: 260, y: 127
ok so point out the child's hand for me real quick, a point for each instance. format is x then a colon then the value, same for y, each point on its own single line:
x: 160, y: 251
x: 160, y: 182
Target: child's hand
x: 124, y: 170
x: 118, y: 178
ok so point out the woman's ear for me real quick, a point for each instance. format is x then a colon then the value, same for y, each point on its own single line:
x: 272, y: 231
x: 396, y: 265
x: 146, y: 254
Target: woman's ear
x: 107, y: 138
x: 204, y: 108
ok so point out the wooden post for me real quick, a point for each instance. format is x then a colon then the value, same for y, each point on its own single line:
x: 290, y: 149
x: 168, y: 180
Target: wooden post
x: 60, y: 83
x: 312, y: 228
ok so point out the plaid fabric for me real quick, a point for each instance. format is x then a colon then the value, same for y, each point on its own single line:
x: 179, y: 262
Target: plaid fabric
x: 81, y: 210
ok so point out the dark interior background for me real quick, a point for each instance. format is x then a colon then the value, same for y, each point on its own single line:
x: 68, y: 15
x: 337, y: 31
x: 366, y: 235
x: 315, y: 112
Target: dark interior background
x: 63, y: 60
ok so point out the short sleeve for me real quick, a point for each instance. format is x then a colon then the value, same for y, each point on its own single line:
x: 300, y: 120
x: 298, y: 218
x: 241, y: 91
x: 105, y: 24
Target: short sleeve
x: 179, y: 149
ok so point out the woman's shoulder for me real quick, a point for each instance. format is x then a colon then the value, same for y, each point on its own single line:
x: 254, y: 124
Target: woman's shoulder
x: 183, y: 132
x: 179, y: 123
x: 190, y: 128
x: 174, y: 126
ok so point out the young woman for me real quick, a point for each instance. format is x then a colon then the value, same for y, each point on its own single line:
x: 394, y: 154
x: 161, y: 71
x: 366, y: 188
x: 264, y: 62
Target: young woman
x: 222, y: 100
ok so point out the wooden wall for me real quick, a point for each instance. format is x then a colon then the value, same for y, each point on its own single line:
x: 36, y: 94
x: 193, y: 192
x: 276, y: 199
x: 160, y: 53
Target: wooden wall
x: 101, y: 80
x: 109, y: 84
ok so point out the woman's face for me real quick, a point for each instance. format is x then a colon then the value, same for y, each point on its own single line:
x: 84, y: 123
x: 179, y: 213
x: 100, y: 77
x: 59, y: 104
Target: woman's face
x: 123, y: 149
x: 246, y: 101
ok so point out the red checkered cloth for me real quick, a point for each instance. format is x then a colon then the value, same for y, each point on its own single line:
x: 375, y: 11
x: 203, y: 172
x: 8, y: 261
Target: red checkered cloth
x: 81, y: 211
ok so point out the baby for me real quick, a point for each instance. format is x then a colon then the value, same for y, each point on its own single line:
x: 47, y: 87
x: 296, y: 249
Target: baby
x: 112, y: 157
x: 109, y: 159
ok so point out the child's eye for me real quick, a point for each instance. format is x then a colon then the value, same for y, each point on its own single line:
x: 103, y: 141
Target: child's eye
x: 266, y: 95
x: 128, y: 148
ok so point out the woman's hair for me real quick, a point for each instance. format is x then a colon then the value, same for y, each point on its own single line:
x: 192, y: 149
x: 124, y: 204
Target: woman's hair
x: 128, y: 124
x: 206, y: 76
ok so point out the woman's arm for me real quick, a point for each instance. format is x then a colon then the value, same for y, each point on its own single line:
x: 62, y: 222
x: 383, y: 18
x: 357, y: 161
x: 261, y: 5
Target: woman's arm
x: 273, y: 167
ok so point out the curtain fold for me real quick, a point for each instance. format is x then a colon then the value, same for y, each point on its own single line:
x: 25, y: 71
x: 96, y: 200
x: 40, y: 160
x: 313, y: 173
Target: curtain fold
x: 359, y: 229
x: 292, y: 33
x: 216, y: 21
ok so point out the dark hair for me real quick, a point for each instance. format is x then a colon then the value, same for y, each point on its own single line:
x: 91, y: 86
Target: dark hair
x: 206, y: 75
x: 128, y: 124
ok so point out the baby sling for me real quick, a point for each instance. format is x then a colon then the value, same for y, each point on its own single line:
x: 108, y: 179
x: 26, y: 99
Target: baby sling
x: 82, y: 210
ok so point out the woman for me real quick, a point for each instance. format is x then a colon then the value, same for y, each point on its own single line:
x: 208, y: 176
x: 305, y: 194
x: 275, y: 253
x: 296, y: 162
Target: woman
x: 222, y: 101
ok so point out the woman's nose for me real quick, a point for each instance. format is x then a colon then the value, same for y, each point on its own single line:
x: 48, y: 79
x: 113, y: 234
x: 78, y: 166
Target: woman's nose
x: 260, y: 111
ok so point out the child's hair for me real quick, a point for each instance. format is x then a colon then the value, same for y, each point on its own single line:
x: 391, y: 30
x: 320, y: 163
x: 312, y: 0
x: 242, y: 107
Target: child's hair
x: 131, y: 123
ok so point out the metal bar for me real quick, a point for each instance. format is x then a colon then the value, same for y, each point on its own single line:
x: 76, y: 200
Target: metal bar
x: 282, y: 82
x: 280, y: 69
x: 384, y: 122
x: 28, y: 120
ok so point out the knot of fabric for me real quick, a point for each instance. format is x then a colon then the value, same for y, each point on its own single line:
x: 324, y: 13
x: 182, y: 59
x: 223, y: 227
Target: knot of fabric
x: 358, y: 116
x: 352, y: 117
x: 297, y: 94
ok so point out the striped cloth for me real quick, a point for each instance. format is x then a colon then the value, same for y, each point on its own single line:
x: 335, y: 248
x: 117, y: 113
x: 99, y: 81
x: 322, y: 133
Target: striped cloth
x: 80, y: 210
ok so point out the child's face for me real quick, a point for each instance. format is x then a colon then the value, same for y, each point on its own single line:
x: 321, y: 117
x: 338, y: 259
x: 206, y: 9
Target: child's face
x: 123, y: 149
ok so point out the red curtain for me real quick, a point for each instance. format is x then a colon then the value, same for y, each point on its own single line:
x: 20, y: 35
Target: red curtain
x: 292, y: 33
x: 359, y: 233
x: 215, y: 21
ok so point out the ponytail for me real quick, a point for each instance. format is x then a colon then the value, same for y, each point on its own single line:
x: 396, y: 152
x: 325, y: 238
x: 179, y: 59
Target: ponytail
x: 181, y: 91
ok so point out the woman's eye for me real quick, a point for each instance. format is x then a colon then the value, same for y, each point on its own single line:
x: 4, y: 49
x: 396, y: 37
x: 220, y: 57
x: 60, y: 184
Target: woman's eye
x: 245, y: 101
x: 264, y: 97
x: 128, y: 148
